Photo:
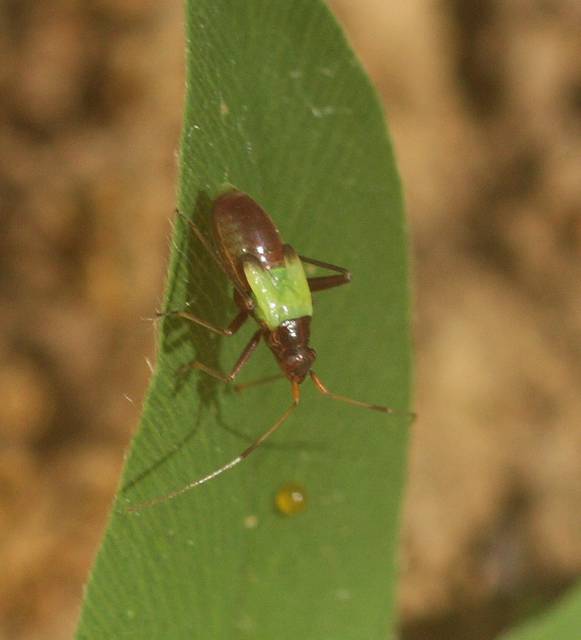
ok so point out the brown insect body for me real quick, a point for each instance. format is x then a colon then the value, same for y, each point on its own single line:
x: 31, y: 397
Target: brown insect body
x: 244, y: 231
x: 242, y: 228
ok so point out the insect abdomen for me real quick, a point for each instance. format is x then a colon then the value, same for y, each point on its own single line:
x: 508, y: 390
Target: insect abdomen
x: 242, y: 227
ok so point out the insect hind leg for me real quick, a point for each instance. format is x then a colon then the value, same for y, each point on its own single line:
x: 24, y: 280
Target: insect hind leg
x: 320, y: 283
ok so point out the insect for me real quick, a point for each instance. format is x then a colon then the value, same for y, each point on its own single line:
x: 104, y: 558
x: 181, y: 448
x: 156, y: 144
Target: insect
x: 291, y: 499
x: 270, y: 286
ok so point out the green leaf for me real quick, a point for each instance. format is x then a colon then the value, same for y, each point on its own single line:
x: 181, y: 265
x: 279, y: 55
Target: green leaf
x: 560, y: 622
x: 278, y: 106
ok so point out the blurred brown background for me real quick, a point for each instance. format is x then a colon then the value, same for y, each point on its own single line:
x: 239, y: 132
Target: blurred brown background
x: 484, y: 103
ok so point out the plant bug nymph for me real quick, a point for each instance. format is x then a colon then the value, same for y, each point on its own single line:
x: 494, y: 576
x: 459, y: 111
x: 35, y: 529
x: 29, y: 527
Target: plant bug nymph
x: 270, y: 286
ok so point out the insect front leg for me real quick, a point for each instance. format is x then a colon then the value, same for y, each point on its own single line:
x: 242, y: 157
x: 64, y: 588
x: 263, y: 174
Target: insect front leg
x: 242, y: 360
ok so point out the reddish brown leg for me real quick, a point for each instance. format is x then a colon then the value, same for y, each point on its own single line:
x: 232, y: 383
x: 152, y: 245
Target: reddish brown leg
x: 320, y: 283
x: 296, y: 393
x: 230, y: 330
x: 366, y: 405
x: 242, y: 360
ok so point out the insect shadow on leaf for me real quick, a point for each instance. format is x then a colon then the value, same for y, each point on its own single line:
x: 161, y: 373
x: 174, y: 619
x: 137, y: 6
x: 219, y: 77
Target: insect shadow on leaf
x: 202, y: 288
x: 199, y: 286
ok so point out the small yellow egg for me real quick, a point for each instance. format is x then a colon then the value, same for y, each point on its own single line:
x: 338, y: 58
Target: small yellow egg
x: 291, y: 499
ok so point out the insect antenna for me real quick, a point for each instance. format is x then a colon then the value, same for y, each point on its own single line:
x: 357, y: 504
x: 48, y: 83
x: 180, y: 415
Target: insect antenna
x: 357, y: 403
x: 229, y: 465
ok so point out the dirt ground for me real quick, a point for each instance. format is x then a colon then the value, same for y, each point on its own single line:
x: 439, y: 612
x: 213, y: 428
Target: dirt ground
x: 484, y: 102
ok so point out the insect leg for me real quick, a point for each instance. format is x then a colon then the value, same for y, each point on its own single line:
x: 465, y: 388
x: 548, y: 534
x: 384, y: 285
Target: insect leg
x: 321, y: 283
x: 230, y: 330
x: 326, y: 265
x: 237, y: 460
x: 242, y: 360
x: 366, y: 405
x: 327, y: 282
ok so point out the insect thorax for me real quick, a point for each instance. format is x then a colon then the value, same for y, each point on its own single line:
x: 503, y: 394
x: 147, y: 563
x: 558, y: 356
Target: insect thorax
x: 280, y: 293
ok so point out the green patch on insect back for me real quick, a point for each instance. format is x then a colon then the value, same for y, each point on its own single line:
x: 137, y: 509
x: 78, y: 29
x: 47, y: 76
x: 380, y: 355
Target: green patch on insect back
x: 281, y: 293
